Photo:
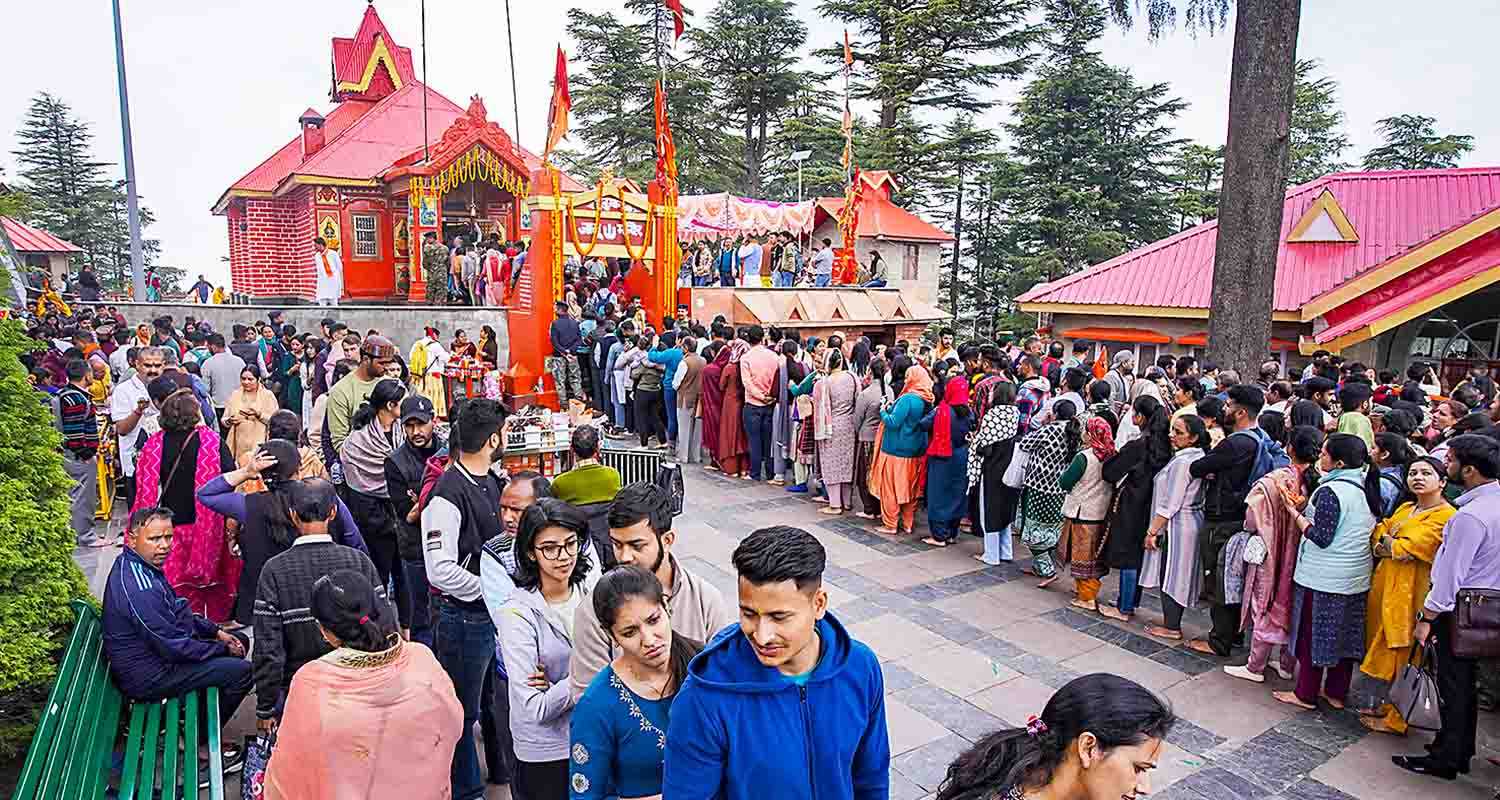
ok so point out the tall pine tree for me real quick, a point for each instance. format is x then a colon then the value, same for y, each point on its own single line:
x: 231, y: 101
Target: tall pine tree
x: 1412, y: 142
x: 1317, y: 137
x: 1094, y: 148
x: 750, y: 48
x: 611, y: 97
x: 1197, y: 171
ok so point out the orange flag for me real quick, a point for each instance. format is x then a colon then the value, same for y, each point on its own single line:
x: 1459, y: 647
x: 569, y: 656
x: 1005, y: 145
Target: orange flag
x: 666, y: 152
x: 562, y: 103
x: 1101, y: 363
x: 675, y: 6
x: 848, y: 53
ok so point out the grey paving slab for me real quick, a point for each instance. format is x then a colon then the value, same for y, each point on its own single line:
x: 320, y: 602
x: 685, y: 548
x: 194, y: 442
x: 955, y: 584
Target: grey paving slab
x: 952, y: 712
x: 898, y: 677
x: 1327, y: 730
x: 1192, y: 738
x: 1273, y: 759
x: 1217, y: 783
x: 926, y: 766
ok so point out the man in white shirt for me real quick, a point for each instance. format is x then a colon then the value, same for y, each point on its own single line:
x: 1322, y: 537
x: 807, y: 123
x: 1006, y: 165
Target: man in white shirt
x: 822, y: 264
x: 750, y: 255
x: 120, y: 368
x: 129, y: 404
x: 329, y: 270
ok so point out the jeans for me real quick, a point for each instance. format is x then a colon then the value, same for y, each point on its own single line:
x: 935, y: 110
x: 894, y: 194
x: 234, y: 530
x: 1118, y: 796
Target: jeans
x: 619, y: 412
x: 822, y: 280
x: 726, y: 278
x: 781, y: 278
x: 669, y: 409
x: 83, y: 494
x: 757, y: 421
x: 419, y: 597
x: 648, y: 416
x: 875, y: 284
x: 231, y: 675
x: 466, y: 649
x: 1130, y: 590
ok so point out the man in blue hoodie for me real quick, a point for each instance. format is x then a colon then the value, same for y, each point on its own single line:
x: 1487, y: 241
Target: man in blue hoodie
x: 788, y: 704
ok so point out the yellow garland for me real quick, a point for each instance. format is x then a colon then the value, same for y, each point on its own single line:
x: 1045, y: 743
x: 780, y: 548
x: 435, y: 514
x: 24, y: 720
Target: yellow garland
x: 598, y: 216
x: 477, y: 164
x: 625, y: 233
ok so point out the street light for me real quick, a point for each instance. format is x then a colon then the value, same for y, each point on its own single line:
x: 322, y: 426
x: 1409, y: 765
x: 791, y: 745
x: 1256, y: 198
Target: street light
x: 799, y: 157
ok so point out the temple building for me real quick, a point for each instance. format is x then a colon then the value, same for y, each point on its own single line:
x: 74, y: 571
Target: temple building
x: 1383, y: 267
x: 371, y: 176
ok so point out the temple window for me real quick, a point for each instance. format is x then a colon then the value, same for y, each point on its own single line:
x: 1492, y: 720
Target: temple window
x: 366, y: 236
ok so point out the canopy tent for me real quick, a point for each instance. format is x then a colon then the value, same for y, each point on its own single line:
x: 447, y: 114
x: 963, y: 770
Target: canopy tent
x: 725, y: 214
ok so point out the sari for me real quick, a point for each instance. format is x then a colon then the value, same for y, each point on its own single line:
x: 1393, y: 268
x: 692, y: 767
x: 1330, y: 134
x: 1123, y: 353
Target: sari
x: 245, y: 434
x: 733, y: 443
x: 713, y: 405
x: 200, y: 567
x: 1267, y: 603
x: 367, y: 725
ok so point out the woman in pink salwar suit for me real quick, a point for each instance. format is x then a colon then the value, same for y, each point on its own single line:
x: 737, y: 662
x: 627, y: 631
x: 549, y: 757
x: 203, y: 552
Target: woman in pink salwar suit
x: 201, y: 567
x: 1268, y: 586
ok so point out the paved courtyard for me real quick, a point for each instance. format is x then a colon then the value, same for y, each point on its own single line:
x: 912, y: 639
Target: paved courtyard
x: 968, y: 648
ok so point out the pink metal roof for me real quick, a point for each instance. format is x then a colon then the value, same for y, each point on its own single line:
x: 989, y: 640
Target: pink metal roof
x: 1392, y: 213
x: 34, y: 240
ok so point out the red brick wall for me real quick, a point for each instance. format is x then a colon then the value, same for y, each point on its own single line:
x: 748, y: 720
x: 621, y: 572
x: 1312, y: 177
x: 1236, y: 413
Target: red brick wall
x: 272, y: 257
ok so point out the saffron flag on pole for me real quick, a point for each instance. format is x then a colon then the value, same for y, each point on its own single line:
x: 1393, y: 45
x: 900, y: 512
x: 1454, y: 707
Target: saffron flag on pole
x: 675, y: 6
x: 1101, y: 363
x: 848, y: 53
x: 562, y: 103
x: 666, y: 152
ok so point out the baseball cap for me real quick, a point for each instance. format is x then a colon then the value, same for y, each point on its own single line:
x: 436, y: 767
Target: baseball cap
x: 416, y: 407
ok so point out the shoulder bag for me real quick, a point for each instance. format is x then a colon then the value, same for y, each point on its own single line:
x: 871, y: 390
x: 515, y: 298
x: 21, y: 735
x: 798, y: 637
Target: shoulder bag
x: 1476, y: 623
x: 1415, y: 692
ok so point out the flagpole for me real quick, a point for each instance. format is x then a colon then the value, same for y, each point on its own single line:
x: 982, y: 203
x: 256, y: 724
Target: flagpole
x: 515, y: 100
x: 425, y: 153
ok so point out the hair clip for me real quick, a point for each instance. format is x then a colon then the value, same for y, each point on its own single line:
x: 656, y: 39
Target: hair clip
x: 1035, y: 726
x: 366, y: 619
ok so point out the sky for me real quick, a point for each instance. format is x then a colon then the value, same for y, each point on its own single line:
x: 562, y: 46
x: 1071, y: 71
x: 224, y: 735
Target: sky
x: 216, y: 86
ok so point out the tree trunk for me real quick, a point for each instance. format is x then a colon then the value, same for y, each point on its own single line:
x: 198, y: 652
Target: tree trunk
x: 1255, y: 173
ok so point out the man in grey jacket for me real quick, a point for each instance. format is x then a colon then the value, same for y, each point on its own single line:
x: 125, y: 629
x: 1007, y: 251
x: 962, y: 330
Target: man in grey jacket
x: 640, y: 531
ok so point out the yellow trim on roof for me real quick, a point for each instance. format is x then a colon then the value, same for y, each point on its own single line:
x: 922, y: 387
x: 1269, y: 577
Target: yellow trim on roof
x: 378, y: 54
x: 223, y: 204
x: 1326, y: 203
x: 1412, y: 311
x: 1401, y: 265
x: 1121, y: 310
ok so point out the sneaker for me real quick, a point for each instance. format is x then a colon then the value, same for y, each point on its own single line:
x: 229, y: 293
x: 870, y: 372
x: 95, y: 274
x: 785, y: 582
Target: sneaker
x: 1243, y: 673
x: 800, y: 488
x: 233, y: 759
x: 1285, y: 673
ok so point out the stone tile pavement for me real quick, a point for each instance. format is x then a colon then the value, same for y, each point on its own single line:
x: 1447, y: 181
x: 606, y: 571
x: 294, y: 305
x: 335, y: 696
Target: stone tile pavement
x: 967, y: 648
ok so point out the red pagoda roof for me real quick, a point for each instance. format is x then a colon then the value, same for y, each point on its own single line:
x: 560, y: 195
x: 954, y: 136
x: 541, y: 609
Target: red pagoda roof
x: 371, y: 62
x: 881, y: 218
x: 1342, y: 235
x: 369, y: 131
x: 35, y: 240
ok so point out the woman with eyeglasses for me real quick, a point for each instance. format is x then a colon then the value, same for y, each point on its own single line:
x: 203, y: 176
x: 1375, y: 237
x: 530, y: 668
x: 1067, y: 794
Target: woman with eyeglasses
x: 553, y: 576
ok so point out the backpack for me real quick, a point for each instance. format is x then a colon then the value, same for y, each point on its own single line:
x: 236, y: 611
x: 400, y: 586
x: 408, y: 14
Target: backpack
x: 1265, y: 456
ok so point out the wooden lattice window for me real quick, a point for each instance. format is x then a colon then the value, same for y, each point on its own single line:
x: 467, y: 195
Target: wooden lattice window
x: 366, y: 236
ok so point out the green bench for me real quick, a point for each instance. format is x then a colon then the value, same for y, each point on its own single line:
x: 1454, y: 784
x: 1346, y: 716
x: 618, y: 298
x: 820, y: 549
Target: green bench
x: 72, y: 752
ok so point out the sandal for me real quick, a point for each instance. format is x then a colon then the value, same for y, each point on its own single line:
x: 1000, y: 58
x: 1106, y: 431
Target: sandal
x: 1201, y: 646
x: 831, y: 511
x: 1086, y: 606
x: 1110, y: 612
x: 1045, y: 582
x: 888, y: 531
x: 1338, y: 705
x: 1291, y: 699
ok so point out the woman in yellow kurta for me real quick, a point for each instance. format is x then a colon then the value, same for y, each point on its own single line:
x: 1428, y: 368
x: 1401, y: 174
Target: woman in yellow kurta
x: 1405, y: 544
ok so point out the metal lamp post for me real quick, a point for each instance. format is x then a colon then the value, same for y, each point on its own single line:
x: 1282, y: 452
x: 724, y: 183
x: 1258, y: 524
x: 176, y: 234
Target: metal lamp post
x: 799, y: 157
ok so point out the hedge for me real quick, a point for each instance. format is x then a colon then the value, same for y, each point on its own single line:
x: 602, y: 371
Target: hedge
x: 37, y: 573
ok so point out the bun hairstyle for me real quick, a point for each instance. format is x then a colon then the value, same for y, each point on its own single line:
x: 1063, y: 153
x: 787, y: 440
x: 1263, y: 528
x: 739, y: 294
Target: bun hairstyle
x: 347, y: 605
x: 625, y: 583
x: 1117, y: 711
x: 386, y: 392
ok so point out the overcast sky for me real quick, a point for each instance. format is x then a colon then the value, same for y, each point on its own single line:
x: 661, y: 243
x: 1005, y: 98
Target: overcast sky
x: 217, y: 86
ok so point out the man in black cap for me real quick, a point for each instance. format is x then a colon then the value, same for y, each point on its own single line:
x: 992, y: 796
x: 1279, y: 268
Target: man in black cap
x: 404, y: 469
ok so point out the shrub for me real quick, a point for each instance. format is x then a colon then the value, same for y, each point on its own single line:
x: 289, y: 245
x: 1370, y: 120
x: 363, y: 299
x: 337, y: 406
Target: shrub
x: 37, y: 573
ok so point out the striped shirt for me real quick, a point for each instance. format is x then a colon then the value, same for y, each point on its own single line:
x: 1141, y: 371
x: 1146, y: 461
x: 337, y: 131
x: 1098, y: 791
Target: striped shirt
x: 76, y: 420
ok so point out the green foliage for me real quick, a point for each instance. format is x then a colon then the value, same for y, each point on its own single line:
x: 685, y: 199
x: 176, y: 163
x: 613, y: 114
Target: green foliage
x: 71, y: 194
x: 1317, y: 137
x: 750, y: 48
x: 1161, y: 15
x: 1197, y: 172
x: 1094, y: 148
x: 37, y: 573
x: 1411, y: 142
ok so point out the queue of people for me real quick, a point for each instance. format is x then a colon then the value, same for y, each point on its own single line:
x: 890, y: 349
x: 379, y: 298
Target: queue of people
x: 363, y: 544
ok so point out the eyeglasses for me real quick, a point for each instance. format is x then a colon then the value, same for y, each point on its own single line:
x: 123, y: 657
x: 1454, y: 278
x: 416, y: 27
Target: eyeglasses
x: 554, y: 552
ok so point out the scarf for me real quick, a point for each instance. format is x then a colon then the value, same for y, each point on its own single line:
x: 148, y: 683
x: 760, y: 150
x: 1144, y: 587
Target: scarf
x: 363, y: 455
x: 1000, y: 424
x: 737, y: 349
x: 1100, y: 438
x: 955, y: 393
x: 327, y: 268
x: 918, y: 382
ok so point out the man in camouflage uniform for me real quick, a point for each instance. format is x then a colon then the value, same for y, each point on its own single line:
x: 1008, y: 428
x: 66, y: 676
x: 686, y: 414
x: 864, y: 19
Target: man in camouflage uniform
x: 435, y: 269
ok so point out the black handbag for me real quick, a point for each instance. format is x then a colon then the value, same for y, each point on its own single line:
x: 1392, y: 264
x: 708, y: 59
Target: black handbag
x: 1476, y: 623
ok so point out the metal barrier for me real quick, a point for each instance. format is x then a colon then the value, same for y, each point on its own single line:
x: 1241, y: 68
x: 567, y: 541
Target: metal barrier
x: 635, y: 464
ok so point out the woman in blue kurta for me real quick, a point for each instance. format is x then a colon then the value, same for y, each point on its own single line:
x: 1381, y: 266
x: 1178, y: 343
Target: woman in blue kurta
x: 949, y: 424
x: 619, y: 732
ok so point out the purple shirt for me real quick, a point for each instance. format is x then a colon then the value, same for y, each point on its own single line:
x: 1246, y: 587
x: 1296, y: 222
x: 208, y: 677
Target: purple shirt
x: 1469, y: 557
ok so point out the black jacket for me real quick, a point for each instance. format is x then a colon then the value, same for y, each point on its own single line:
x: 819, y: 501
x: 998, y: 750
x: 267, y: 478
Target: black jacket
x: 1226, y: 476
x: 404, y: 469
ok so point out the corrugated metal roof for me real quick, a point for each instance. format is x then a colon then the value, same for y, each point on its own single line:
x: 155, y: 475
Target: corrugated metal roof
x: 350, y: 56
x: 1392, y: 212
x: 881, y: 217
x: 35, y: 240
